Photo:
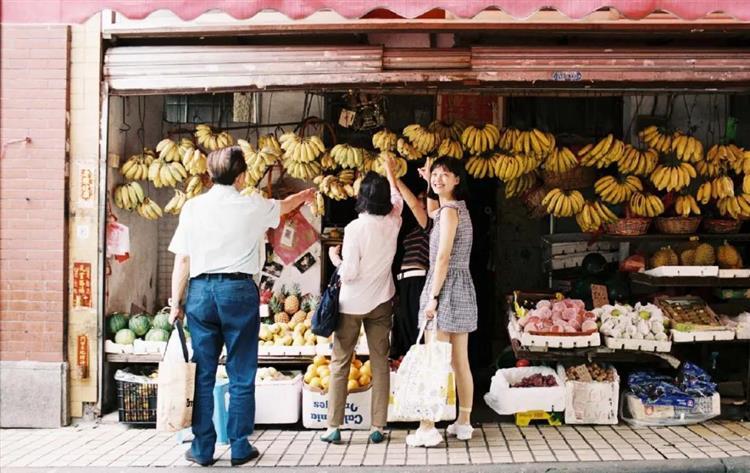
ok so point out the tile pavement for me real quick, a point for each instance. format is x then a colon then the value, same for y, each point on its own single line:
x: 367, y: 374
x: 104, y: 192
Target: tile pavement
x: 116, y: 445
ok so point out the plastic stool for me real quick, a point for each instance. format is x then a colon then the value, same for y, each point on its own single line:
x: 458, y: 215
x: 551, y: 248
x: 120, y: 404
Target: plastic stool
x: 221, y: 392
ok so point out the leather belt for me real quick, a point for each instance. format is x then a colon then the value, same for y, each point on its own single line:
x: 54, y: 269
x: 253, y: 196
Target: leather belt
x: 237, y: 276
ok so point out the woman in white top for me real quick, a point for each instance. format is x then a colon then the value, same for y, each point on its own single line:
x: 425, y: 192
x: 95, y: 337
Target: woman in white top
x: 365, y: 298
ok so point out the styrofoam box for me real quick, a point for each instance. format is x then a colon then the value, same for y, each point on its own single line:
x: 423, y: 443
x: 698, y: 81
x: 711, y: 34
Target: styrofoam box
x: 112, y: 347
x: 278, y: 402
x: 590, y: 403
x: 638, y: 344
x: 551, y: 341
x: 142, y: 346
x: 357, y: 414
x: 702, y: 336
x: 682, y: 271
x: 734, y: 273
x: 506, y: 400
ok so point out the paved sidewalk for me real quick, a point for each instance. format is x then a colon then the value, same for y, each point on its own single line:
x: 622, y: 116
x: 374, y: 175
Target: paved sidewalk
x: 91, y: 446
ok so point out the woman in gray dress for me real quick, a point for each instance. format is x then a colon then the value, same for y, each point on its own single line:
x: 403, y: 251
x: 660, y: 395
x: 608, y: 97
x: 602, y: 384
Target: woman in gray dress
x: 449, y: 298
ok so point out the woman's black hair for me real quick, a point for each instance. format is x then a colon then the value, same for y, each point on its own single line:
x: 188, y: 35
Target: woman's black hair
x: 456, y: 167
x: 374, y: 195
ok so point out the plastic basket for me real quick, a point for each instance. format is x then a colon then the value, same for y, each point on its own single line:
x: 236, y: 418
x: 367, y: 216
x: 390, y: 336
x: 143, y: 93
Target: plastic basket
x: 136, y: 402
x: 577, y: 178
x: 678, y: 225
x: 628, y: 226
x: 721, y: 225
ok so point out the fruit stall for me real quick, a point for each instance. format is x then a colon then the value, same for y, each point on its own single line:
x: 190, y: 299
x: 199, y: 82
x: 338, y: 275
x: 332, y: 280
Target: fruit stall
x: 615, y: 162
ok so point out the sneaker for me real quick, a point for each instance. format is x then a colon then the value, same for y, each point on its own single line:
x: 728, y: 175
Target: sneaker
x: 424, y: 438
x: 189, y: 457
x: 461, y: 431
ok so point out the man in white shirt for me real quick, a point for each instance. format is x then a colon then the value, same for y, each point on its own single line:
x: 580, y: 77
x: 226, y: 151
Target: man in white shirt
x: 216, y: 247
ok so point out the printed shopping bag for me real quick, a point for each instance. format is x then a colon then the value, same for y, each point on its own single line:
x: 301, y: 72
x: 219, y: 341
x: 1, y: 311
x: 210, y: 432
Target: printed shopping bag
x: 174, y: 400
x: 423, y: 382
x: 449, y: 413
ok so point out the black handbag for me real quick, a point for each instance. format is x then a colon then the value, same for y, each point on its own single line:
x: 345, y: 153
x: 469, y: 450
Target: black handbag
x: 326, y: 316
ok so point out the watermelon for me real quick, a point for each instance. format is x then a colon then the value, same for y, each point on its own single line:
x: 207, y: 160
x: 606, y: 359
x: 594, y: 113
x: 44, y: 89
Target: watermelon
x: 161, y: 321
x: 125, y: 336
x: 139, y: 324
x: 157, y: 335
x: 116, y: 322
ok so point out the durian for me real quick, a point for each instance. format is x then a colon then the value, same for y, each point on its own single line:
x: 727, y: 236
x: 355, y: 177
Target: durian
x: 687, y: 257
x: 664, y: 257
x: 729, y: 257
x: 705, y: 255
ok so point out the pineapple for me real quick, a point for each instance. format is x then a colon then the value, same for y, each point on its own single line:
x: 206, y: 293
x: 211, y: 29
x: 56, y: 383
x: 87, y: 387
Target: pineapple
x: 281, y: 318
x: 291, y: 303
x: 309, y: 305
x: 276, y: 304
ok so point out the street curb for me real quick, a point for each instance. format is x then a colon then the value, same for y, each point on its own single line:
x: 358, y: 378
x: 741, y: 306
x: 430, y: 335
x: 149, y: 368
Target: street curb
x: 711, y: 465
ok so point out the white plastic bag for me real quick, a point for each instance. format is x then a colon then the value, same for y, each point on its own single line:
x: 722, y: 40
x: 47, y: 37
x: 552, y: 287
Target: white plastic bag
x: 423, y: 381
x: 174, y: 400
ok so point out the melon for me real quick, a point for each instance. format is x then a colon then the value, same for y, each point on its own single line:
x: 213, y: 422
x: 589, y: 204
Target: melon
x: 139, y: 324
x: 161, y: 321
x: 116, y: 322
x: 125, y: 336
x: 157, y: 335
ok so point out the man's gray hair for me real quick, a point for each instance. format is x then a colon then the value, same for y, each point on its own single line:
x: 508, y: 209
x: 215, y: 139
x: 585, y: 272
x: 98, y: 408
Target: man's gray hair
x: 225, y: 164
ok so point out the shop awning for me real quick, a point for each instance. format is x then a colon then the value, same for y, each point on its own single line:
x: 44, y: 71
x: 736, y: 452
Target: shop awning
x: 76, y: 11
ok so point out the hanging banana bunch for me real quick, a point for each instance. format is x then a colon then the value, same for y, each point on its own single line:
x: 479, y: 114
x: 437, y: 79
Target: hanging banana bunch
x: 447, y: 131
x: 347, y: 156
x: 638, y: 162
x: 149, y: 209
x: 168, y: 150
x: 593, y: 215
x: 421, y: 139
x: 656, y: 138
x: 128, y: 196
x: 607, y: 151
x: 480, y: 139
x: 673, y: 177
x: 174, y: 206
x: 206, y: 137
x: 384, y: 140
x: 684, y: 205
x: 560, y: 160
x: 615, y: 191
x: 646, y: 205
x: 687, y: 148
x: 534, y: 142
x: 136, y: 167
x: 450, y: 148
x: 407, y: 151
x: 166, y: 174
x: 193, y: 186
x: 379, y: 164
x: 560, y: 203
x: 519, y: 185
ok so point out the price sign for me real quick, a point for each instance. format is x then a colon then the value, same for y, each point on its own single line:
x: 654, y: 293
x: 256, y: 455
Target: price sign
x: 599, y: 295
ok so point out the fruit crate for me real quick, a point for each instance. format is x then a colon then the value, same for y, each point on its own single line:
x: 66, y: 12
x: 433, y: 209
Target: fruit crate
x: 552, y: 341
x: 594, y: 402
x: 635, y: 344
x: 136, y: 398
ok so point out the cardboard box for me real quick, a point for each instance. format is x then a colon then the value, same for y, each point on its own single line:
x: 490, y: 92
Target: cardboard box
x: 506, y: 400
x: 590, y: 402
x: 643, y: 415
x: 357, y: 414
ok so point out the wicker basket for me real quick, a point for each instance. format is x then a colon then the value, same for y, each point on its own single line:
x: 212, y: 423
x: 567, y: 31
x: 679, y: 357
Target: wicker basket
x: 533, y: 202
x: 721, y: 225
x: 628, y: 226
x: 576, y: 178
x: 678, y: 225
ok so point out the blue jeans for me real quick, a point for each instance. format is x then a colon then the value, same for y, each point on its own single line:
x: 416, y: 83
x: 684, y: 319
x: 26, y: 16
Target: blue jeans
x: 222, y: 311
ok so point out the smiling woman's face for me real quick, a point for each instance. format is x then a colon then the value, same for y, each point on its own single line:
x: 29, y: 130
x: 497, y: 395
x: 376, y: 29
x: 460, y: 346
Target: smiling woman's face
x: 443, y: 182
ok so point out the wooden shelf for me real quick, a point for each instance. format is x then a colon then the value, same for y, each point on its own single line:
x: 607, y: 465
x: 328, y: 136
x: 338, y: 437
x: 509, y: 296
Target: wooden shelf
x: 656, y: 237
x: 688, y: 281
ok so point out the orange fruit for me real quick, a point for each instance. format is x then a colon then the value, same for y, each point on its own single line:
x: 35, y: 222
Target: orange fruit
x: 364, y: 380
